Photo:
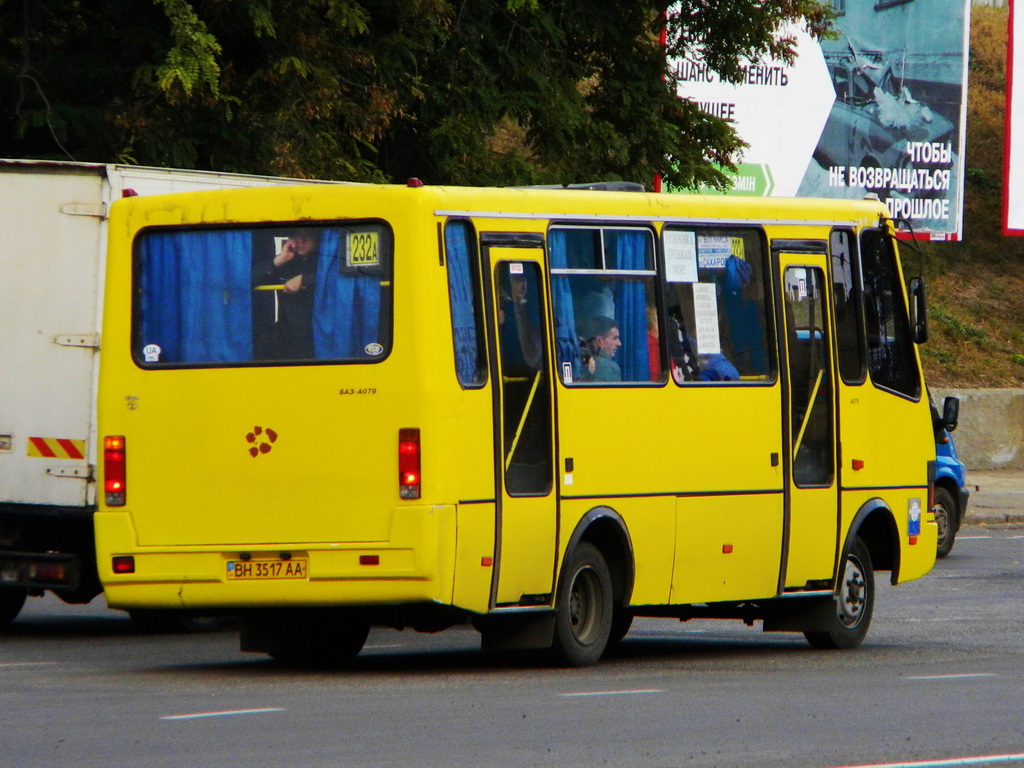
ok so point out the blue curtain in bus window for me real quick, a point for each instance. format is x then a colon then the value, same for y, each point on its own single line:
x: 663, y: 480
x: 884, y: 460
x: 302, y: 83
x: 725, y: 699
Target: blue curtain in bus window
x: 746, y: 318
x: 196, y: 302
x: 461, y: 291
x: 346, y: 307
x: 630, y: 251
x: 567, y: 348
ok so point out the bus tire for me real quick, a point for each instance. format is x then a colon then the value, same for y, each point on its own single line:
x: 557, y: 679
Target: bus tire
x: 583, y: 613
x: 854, y: 603
x: 947, y: 518
x: 11, y: 601
x: 331, y: 643
x: 622, y: 620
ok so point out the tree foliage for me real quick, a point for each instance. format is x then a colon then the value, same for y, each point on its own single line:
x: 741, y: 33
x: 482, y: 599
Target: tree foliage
x: 453, y: 91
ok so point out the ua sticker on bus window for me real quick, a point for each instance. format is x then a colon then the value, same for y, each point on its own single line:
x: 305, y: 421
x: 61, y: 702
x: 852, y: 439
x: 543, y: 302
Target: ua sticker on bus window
x: 914, y: 517
x: 373, y: 349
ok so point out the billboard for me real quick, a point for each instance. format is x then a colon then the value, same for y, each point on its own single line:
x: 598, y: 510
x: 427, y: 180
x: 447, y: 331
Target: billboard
x: 880, y: 109
x: 1013, y: 172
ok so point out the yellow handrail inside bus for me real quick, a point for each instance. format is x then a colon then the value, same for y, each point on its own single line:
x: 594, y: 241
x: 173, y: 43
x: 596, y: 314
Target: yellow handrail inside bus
x: 522, y: 421
x: 807, y: 413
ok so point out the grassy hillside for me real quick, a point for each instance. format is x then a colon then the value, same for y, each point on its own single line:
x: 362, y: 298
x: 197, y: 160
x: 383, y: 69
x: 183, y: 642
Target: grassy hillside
x: 976, y: 287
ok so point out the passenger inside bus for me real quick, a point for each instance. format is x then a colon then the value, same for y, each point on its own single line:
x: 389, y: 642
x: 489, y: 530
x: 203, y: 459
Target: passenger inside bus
x: 291, y: 273
x: 604, y: 340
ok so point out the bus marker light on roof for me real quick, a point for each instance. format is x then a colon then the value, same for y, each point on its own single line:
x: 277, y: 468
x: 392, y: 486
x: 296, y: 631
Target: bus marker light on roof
x: 114, y: 475
x: 409, y: 463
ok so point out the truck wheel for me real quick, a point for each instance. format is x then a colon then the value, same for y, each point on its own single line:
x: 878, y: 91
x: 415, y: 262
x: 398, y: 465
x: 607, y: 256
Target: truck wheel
x: 947, y: 518
x: 583, y: 614
x: 855, y: 602
x: 11, y: 601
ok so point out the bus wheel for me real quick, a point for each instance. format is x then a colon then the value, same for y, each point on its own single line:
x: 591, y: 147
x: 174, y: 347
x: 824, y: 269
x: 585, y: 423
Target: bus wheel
x: 329, y: 643
x: 855, y: 603
x: 946, y: 517
x: 583, y: 615
x: 11, y: 601
x: 622, y: 620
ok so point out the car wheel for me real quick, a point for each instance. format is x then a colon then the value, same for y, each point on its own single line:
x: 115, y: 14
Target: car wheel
x: 11, y: 601
x: 947, y: 518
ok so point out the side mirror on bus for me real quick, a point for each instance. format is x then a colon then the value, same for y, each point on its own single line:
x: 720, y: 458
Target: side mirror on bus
x: 918, y: 311
x: 950, y: 413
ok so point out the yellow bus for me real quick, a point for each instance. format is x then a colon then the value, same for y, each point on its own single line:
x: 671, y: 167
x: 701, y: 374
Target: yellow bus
x: 542, y: 411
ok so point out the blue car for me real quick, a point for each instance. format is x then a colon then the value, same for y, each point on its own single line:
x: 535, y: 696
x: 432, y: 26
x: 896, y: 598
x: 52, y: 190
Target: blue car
x: 951, y: 493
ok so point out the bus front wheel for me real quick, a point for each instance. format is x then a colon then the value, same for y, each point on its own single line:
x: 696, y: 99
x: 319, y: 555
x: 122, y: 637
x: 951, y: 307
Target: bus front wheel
x: 854, y: 603
x: 583, y: 615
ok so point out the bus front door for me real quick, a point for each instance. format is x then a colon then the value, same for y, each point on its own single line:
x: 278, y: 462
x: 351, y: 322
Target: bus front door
x: 524, y: 564
x: 811, y: 492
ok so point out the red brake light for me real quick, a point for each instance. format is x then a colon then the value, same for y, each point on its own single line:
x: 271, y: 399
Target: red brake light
x: 409, y: 463
x: 114, y: 475
x: 123, y: 564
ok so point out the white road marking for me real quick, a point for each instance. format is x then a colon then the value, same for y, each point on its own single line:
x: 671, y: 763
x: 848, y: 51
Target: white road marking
x: 952, y: 762
x: 28, y: 663
x: 613, y: 693
x: 951, y: 677
x: 224, y: 713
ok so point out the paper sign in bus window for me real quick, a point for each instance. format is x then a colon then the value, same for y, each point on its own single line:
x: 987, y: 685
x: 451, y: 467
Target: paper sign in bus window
x: 705, y: 309
x: 713, y: 251
x: 680, y: 256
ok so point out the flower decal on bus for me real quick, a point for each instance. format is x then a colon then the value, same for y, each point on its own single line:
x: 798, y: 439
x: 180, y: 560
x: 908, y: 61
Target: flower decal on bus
x: 261, y: 440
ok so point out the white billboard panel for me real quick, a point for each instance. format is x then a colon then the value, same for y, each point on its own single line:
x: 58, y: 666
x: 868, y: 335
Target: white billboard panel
x: 881, y: 109
x: 1013, y: 173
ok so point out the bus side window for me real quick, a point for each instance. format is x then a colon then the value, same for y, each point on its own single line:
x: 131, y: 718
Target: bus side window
x: 717, y: 326
x: 464, y: 295
x: 846, y: 289
x: 890, y: 348
x: 603, y: 293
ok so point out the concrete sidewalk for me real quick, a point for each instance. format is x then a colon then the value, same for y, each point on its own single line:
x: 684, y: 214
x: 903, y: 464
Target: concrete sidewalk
x: 997, y: 496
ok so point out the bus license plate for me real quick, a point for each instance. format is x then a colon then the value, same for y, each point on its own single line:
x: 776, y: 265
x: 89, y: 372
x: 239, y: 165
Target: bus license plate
x: 296, y: 568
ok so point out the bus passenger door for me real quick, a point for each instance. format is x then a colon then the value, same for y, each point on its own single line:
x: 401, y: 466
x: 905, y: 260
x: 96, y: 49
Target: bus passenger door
x: 524, y: 562
x: 811, y: 492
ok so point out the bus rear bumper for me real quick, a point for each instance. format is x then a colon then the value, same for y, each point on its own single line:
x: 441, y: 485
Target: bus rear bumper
x: 414, y: 566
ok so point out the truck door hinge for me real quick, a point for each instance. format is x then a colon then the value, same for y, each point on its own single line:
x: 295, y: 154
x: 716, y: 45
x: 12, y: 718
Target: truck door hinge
x: 98, y: 210
x: 87, y: 340
x: 79, y: 473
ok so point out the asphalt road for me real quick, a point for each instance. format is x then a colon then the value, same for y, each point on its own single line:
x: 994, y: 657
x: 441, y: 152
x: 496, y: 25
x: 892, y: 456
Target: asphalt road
x: 941, y: 678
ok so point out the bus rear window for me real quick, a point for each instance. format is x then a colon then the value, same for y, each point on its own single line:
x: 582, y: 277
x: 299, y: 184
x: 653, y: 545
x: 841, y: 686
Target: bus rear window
x: 263, y: 294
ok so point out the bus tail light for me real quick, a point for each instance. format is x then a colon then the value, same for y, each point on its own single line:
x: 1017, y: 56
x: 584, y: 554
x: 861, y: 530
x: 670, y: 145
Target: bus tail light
x: 409, y: 463
x: 114, y: 475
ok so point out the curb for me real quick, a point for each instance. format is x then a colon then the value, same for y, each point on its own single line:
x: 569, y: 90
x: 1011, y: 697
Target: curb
x: 997, y: 497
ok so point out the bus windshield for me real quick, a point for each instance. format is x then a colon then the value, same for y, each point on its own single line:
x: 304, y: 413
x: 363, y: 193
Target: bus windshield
x: 258, y: 295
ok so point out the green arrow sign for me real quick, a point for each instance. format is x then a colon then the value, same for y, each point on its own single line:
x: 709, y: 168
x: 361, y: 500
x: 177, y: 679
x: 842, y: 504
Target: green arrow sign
x: 750, y: 180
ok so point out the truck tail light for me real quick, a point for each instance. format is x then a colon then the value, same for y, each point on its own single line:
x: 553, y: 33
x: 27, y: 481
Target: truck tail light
x: 409, y: 463
x: 114, y: 485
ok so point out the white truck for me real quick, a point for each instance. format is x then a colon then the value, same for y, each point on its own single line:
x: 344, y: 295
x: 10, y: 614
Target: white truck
x: 53, y: 219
